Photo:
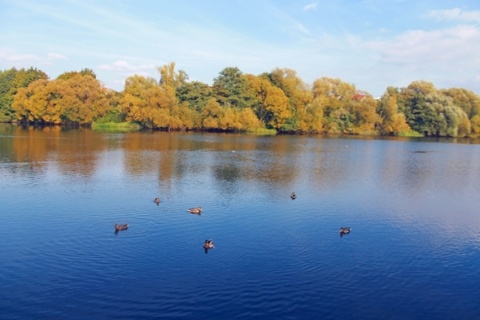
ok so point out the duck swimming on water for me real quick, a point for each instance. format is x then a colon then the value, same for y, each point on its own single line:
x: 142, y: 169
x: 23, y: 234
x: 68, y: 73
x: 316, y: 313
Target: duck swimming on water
x: 344, y: 230
x: 207, y: 245
x: 197, y: 210
x: 119, y: 227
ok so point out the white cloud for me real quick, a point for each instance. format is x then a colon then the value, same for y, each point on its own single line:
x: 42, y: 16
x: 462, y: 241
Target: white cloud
x: 12, y: 56
x: 455, y: 47
x: 126, y: 67
x: 56, y: 56
x: 455, y: 14
x: 310, y: 6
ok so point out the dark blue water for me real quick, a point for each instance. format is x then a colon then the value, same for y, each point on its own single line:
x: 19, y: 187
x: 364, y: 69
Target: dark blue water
x: 413, y: 206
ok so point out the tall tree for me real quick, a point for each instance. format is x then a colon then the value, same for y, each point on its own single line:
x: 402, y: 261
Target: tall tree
x: 230, y: 88
x: 79, y: 99
x: 298, y: 93
x: 195, y: 94
x: 392, y: 121
x: 141, y: 101
x: 83, y: 99
x: 336, y: 97
x: 169, y: 77
x: 465, y: 99
x: 10, y: 81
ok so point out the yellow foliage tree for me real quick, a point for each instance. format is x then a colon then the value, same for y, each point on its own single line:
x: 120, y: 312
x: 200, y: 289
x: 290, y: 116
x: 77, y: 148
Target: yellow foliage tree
x: 83, y: 99
x: 392, y: 121
x: 144, y: 101
x: 39, y: 103
x: 212, y: 114
x: 276, y: 102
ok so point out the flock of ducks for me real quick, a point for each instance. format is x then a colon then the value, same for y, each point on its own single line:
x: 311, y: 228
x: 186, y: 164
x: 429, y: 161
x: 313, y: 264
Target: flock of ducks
x: 208, y: 244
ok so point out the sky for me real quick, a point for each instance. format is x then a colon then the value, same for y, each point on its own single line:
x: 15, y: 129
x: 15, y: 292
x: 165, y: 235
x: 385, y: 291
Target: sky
x: 372, y: 44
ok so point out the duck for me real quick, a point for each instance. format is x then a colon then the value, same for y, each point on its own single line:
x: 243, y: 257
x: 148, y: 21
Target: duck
x: 208, y: 244
x: 119, y: 227
x: 293, y: 196
x: 344, y: 230
x: 157, y: 201
x: 197, y: 210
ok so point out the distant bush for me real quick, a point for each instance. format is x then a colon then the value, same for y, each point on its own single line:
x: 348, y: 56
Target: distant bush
x: 112, y: 118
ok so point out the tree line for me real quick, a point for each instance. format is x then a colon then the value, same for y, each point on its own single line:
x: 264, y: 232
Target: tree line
x: 278, y: 101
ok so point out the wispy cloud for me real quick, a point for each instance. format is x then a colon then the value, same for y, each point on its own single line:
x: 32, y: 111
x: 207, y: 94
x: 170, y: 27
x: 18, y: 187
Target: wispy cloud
x: 56, y: 56
x: 12, y: 56
x: 310, y: 6
x: 455, y: 14
x: 455, y: 46
x: 127, y: 67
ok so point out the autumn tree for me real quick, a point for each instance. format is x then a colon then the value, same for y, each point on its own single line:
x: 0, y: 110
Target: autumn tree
x: 365, y: 118
x: 141, y: 101
x: 258, y: 87
x: 392, y: 121
x: 71, y: 74
x: 299, y: 98
x: 10, y: 81
x: 38, y: 103
x: 469, y: 102
x: 82, y: 99
x: 336, y: 98
x: 79, y: 99
x: 170, y: 77
x: 212, y: 115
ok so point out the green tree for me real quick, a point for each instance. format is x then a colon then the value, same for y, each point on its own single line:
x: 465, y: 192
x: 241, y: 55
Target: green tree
x: 431, y: 112
x: 467, y: 100
x: 195, y: 94
x: 230, y: 88
x: 71, y: 74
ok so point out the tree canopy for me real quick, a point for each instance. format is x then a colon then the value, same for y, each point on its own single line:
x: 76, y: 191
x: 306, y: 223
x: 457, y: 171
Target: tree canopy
x: 278, y: 100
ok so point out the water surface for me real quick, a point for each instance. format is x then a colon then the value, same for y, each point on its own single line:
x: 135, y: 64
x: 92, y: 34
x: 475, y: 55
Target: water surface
x: 413, y: 253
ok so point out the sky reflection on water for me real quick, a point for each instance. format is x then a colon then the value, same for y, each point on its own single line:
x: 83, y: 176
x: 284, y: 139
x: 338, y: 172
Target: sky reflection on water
x: 413, y: 252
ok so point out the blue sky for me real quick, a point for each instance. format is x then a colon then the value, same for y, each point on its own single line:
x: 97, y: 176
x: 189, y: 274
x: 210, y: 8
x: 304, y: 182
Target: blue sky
x: 372, y: 44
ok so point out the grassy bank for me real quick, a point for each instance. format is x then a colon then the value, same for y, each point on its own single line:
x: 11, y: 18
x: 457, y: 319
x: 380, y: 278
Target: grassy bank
x: 116, y: 127
x: 262, y: 132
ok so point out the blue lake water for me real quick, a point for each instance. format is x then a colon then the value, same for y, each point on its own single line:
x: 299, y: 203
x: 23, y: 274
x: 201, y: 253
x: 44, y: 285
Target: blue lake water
x: 413, y: 206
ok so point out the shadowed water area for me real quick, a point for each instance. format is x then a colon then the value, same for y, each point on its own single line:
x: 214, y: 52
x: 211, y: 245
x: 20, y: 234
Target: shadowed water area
x: 412, y: 204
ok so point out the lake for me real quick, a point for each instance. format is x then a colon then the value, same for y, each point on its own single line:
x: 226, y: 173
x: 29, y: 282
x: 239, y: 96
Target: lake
x: 412, y: 205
